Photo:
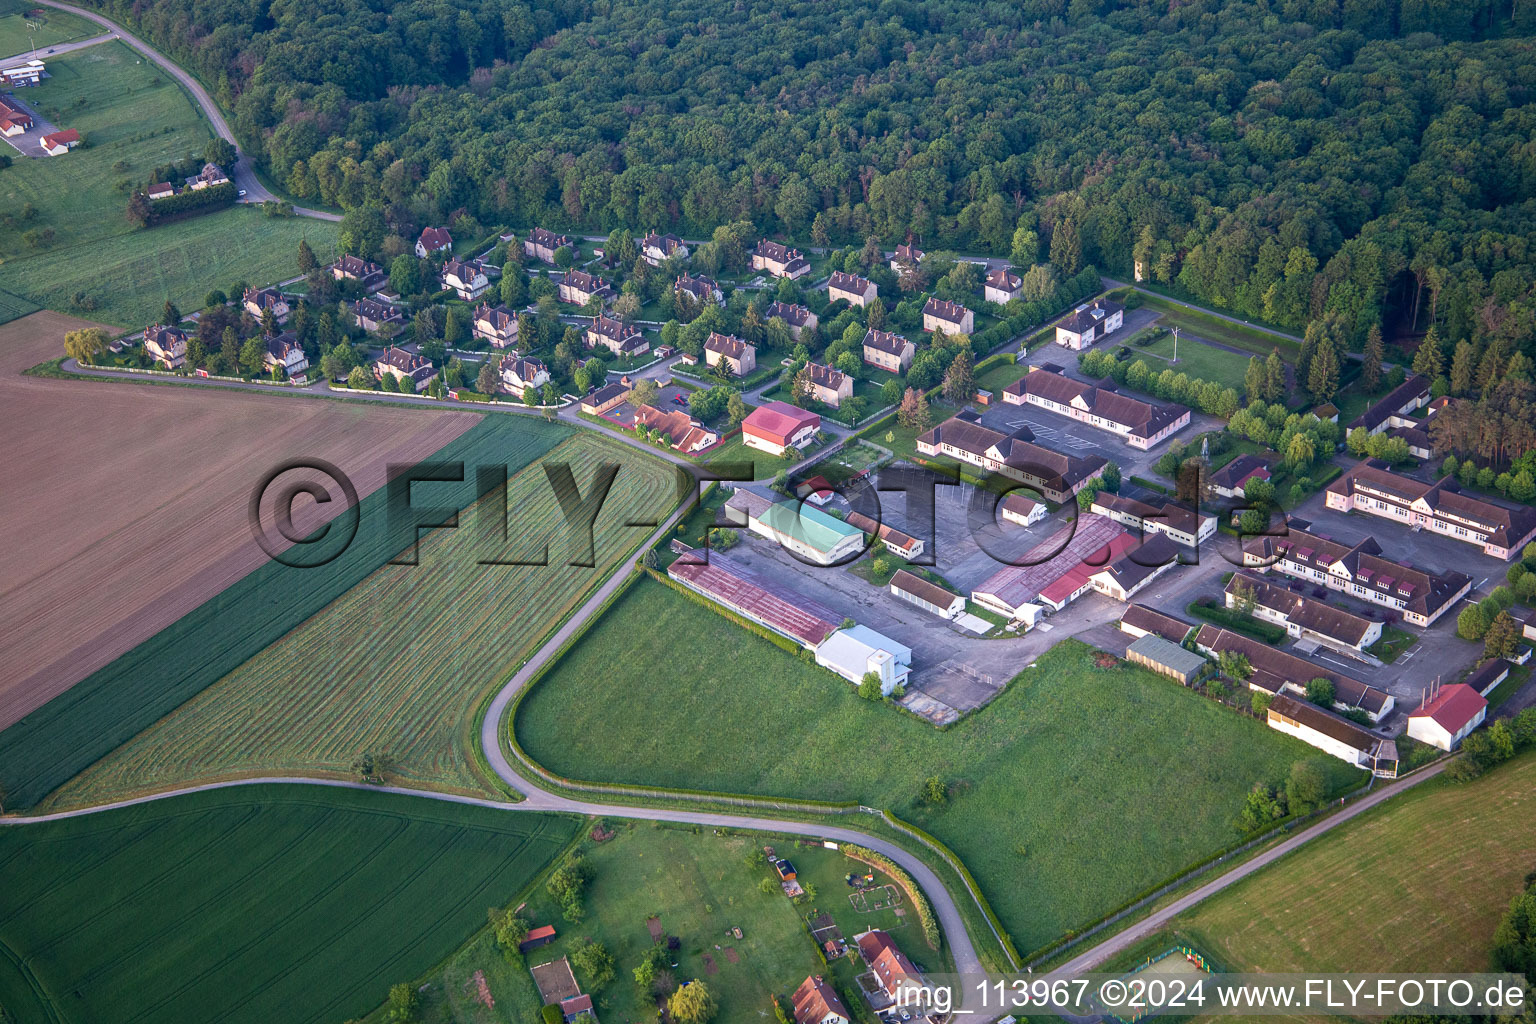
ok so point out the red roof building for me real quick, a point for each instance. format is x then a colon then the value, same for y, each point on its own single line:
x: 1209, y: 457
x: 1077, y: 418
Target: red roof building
x: 60, y: 142
x: 815, y: 1002
x: 1445, y: 720
x: 541, y: 936
x: 787, y: 613
x: 778, y: 426
x: 890, y: 966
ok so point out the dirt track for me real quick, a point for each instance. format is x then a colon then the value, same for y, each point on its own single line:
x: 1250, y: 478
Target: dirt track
x: 124, y: 506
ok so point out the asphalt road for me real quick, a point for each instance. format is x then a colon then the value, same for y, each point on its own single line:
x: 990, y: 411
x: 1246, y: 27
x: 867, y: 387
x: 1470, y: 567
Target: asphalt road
x: 244, y: 176
x: 47, y: 53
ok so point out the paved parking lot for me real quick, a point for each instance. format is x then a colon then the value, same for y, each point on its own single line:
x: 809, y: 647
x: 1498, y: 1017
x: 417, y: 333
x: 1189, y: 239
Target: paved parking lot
x: 28, y: 143
x: 670, y: 398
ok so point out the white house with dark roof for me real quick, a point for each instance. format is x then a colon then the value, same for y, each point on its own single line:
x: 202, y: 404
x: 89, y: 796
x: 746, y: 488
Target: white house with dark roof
x: 466, y: 279
x: 779, y: 260
x: 1140, y: 423
x: 257, y: 301
x: 1087, y: 324
x: 905, y: 256
x: 519, y: 375
x: 738, y: 356
x: 1002, y: 286
x: 410, y: 370
x: 496, y: 325
x: 656, y: 249
x: 797, y: 318
x: 888, y: 350
x: 617, y: 336
x: 373, y: 315
x: 166, y: 345
x: 829, y: 386
x: 947, y: 317
x: 851, y: 288
x: 699, y: 289
x: 1157, y: 514
x: 284, y: 352
x: 1016, y: 455
x: 542, y: 244
x: 354, y: 268
x: 930, y: 597
x: 578, y: 287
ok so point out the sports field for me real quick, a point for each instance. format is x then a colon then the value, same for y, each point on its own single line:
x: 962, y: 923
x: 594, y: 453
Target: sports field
x: 1371, y: 895
x: 1240, y: 336
x: 1075, y: 789
x: 134, y: 117
x: 24, y: 26
x: 273, y: 903
x: 1195, y: 358
x: 694, y: 885
x: 397, y: 665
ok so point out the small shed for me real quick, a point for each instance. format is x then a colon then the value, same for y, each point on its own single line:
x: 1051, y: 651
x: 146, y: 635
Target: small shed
x: 541, y: 936
x: 1165, y: 658
x: 785, y: 869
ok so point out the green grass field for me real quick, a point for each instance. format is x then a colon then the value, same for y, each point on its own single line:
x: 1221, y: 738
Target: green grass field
x: 20, y: 32
x: 114, y: 704
x: 1075, y: 789
x: 1372, y: 895
x: 1203, y: 324
x: 1196, y: 359
x: 398, y: 665
x: 134, y: 118
x: 273, y: 903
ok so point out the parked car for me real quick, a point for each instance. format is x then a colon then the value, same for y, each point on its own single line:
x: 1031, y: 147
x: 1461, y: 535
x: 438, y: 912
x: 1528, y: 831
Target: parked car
x: 242, y: 193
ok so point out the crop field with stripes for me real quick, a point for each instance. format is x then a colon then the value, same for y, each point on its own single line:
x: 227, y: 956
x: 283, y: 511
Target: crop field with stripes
x: 258, y: 904
x: 398, y: 666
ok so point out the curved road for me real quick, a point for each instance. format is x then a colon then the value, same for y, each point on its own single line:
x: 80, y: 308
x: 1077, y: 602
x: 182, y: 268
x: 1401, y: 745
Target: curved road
x: 244, y: 175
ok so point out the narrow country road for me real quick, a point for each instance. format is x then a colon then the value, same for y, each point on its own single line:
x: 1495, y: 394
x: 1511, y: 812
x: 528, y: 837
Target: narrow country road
x: 244, y: 175
x: 47, y: 53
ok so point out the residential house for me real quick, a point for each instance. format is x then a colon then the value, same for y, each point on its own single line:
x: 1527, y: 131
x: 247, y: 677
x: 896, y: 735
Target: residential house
x: 617, y: 336
x: 496, y: 325
x: 411, y: 371
x: 682, y: 431
x: 579, y: 287
x: 779, y: 260
x: 1002, y: 286
x: 1157, y: 515
x: 373, y: 315
x: 699, y: 289
x: 888, y: 350
x: 354, y: 268
x: 816, y: 1002
x: 1420, y: 595
x: 433, y: 240
x: 1332, y: 735
x: 284, y: 352
x: 160, y: 190
x: 1139, y: 620
x: 944, y: 317
x: 930, y: 597
x: 466, y: 279
x: 1393, y: 409
x: 1302, y: 617
x: 1016, y: 455
x: 542, y: 245
x: 1446, y: 718
x: 1138, y: 422
x: 905, y: 257
x: 798, y: 528
x: 166, y: 345
x: 829, y: 386
x: 210, y: 175
x: 13, y: 120
x: 519, y: 375
x: 738, y: 357
x: 1229, y: 480
x: 609, y: 396
x: 573, y: 1008
x: 902, y: 545
x: 1371, y: 487
x: 758, y: 599
x: 894, y: 973
x: 1276, y: 672
x: 1023, y: 511
x: 657, y: 249
x: 796, y: 318
x: 1166, y: 658
x: 59, y: 143
x: 1087, y: 324
x: 258, y: 300
x: 858, y: 650
x: 852, y: 289
x: 776, y: 427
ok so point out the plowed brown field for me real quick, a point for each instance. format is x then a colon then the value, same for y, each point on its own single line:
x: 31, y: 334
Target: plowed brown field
x: 123, y: 506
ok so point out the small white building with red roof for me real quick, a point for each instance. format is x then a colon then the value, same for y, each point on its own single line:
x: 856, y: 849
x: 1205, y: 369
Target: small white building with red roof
x: 1446, y: 718
x: 61, y: 142
x: 777, y: 427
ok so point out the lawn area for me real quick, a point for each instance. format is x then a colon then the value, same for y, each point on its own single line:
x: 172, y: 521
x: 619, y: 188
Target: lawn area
x: 1393, y: 643
x: 999, y: 375
x: 1149, y: 775
x: 700, y: 886
x: 867, y: 390
x: 19, y: 32
x: 1214, y: 328
x: 1196, y: 359
x: 398, y: 665
x: 1372, y: 894
x: 273, y: 903
x: 133, y: 116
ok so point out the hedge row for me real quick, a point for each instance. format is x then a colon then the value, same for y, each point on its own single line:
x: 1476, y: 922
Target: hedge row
x: 1236, y: 621
x: 925, y: 915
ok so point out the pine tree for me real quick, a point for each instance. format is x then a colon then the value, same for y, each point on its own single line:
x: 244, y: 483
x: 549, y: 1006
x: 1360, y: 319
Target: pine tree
x: 922, y: 417
x: 1323, y: 377
x: 959, y: 380
x: 1274, y: 377
x: 1254, y: 379
x: 1370, y: 372
x: 170, y: 316
x: 307, y: 262
x: 485, y: 380
x: 1429, y: 360
x: 1067, y: 246
x: 1463, y: 364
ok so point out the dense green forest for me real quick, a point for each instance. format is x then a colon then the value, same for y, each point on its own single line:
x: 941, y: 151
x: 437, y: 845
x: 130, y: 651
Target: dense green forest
x: 1372, y: 161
